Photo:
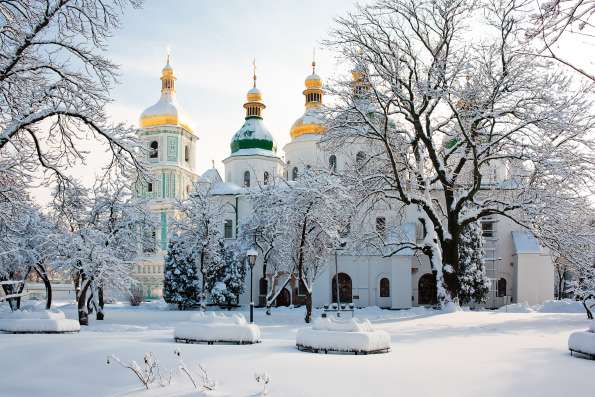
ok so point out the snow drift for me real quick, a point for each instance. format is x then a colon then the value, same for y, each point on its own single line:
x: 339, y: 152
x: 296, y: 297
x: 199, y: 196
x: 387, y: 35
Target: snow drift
x: 33, y: 322
x: 217, y: 328
x: 342, y: 336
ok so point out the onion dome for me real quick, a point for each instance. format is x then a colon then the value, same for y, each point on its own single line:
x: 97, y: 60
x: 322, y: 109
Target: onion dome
x: 166, y: 111
x: 254, y: 137
x: 311, y: 121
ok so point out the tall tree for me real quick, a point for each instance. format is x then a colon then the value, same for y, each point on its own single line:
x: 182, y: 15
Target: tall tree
x: 199, y: 227
x: 460, y: 120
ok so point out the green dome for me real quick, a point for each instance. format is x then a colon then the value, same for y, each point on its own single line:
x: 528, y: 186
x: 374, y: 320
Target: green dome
x: 253, y: 135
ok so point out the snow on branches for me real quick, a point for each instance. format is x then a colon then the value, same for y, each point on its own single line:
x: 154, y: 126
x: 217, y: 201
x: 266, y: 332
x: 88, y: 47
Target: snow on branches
x: 459, y: 126
x: 103, y: 237
x: 307, y: 218
x: 54, y: 84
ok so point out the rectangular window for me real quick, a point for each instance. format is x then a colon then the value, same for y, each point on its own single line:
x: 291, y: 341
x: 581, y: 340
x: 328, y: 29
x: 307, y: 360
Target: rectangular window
x: 381, y: 225
x: 228, y: 228
x: 487, y: 229
x: 150, y: 187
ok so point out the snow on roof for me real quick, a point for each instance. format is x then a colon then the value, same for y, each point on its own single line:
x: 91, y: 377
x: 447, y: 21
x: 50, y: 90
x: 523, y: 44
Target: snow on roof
x: 253, y: 128
x: 525, y: 243
x: 225, y: 188
x: 211, y: 175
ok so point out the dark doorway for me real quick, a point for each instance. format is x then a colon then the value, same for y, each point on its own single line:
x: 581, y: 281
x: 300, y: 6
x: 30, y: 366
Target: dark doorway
x: 283, y: 299
x: 426, y: 290
x: 345, y: 290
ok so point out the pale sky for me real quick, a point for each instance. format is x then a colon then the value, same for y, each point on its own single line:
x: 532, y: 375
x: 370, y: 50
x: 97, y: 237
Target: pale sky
x: 212, y: 46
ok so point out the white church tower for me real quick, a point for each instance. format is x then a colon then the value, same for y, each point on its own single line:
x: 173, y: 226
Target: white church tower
x: 253, y: 158
x: 171, y: 142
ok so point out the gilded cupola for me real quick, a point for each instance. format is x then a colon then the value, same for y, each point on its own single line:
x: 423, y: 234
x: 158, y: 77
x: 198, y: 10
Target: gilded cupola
x: 311, y: 122
x: 166, y: 112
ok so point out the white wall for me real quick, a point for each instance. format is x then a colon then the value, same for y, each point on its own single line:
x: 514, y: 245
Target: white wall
x: 534, y: 275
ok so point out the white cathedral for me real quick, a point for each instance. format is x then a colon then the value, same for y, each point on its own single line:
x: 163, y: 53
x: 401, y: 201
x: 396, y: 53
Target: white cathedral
x: 520, y: 269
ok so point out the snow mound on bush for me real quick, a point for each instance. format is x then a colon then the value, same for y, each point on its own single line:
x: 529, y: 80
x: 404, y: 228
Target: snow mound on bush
x: 218, y: 318
x: 44, y: 321
x: 217, y: 327
x: 582, y: 342
x: 339, y: 335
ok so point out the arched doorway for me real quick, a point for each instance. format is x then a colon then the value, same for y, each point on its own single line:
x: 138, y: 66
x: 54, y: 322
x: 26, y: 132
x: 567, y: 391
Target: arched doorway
x: 426, y: 290
x: 345, y: 290
x: 284, y: 298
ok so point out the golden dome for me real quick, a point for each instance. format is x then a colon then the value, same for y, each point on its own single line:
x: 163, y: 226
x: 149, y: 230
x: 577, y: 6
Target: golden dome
x: 166, y: 111
x: 311, y: 121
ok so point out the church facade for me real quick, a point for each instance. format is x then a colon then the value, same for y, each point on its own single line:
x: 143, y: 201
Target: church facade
x: 520, y: 269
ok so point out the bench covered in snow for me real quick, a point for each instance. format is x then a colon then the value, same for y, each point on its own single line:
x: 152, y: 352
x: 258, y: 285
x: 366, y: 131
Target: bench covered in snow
x: 37, y: 322
x: 583, y: 342
x: 353, y: 336
x: 213, y: 328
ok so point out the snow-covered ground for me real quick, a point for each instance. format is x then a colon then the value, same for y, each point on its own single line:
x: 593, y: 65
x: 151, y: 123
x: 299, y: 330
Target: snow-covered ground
x: 454, y: 354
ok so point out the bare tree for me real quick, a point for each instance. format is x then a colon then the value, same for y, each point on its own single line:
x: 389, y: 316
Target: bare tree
x: 310, y: 216
x: 104, y: 236
x: 460, y: 124
x: 54, y: 84
x: 556, y: 19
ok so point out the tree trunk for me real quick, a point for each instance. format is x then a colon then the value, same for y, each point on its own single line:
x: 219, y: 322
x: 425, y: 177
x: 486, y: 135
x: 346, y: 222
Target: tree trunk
x: 42, y: 273
x: 308, y: 318
x: 450, y: 256
x: 82, y: 302
x: 587, y: 308
x: 100, y: 315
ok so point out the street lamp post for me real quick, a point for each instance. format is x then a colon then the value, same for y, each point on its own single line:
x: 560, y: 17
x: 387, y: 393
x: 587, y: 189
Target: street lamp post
x: 251, y: 254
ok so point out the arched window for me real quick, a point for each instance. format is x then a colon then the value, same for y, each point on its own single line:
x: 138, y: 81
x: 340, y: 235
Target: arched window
x: 247, y: 178
x: 188, y: 188
x: 262, y: 286
x: 266, y: 177
x: 501, y: 287
x: 384, y: 288
x: 427, y: 293
x: 360, y: 158
x: 228, y: 228
x: 150, y: 187
x: 332, y: 163
x: 186, y: 153
x: 154, y: 150
x: 294, y: 173
x: 345, y: 290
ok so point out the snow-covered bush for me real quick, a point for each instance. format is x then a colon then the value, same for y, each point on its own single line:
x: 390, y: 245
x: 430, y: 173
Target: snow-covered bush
x: 327, y: 334
x: 181, y: 283
x: 37, y: 321
x: 217, y: 328
x: 475, y: 284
